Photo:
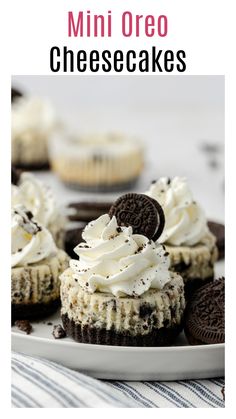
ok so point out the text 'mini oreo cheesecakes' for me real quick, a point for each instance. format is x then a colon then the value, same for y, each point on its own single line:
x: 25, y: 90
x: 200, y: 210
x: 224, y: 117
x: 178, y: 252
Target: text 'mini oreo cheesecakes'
x: 186, y: 235
x: 29, y: 191
x: 121, y: 291
x: 36, y: 266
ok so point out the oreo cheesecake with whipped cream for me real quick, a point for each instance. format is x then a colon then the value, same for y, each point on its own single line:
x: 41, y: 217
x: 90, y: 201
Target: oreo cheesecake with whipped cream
x: 36, y: 266
x: 186, y: 236
x: 97, y: 162
x: 27, y: 190
x: 121, y: 291
x: 33, y: 121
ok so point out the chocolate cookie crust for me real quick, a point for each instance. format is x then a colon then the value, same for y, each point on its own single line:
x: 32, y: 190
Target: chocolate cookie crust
x: 101, y: 336
x: 32, y: 166
x: 33, y: 311
x: 204, y: 321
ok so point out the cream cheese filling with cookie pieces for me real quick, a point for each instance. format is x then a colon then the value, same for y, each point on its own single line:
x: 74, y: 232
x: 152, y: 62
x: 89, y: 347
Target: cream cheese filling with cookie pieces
x: 38, y: 283
x: 154, y: 309
x: 96, y: 160
x: 196, y: 262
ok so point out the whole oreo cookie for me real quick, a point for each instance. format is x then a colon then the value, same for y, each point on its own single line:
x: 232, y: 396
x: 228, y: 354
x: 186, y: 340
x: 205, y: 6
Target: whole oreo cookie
x: 141, y: 212
x: 204, y: 316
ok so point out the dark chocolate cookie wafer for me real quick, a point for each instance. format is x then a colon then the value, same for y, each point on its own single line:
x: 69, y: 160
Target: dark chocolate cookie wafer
x: 218, y: 230
x: 204, y: 321
x: 72, y: 238
x: 88, y: 211
x: 141, y: 212
x: 161, y: 219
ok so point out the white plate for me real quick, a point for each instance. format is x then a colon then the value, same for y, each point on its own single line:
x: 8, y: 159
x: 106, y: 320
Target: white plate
x: 123, y: 363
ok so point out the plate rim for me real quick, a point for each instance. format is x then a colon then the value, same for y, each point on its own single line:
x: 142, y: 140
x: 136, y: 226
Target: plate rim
x: 93, y: 346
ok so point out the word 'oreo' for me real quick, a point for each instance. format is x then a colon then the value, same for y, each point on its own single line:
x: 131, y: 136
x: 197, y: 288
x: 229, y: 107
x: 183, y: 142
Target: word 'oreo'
x: 141, y: 212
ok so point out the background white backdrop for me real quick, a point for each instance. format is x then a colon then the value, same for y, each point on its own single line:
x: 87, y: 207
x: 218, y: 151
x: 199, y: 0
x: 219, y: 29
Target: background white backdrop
x: 177, y: 117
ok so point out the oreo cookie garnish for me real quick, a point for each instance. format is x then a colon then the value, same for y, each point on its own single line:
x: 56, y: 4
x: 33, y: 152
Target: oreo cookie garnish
x: 141, y: 212
x: 87, y: 211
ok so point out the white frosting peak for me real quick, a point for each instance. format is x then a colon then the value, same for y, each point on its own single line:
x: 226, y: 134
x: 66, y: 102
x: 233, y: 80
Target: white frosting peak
x: 38, y: 199
x: 185, y: 221
x: 30, y: 241
x: 115, y: 260
x: 32, y: 114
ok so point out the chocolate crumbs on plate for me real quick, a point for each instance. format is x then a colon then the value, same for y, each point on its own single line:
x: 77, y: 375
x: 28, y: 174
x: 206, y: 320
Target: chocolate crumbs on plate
x: 58, y: 332
x: 24, y: 326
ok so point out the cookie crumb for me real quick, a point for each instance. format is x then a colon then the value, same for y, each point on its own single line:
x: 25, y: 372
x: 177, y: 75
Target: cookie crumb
x: 58, y: 332
x: 24, y: 326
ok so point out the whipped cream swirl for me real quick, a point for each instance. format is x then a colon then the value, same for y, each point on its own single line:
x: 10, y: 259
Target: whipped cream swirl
x: 185, y: 221
x: 30, y: 241
x: 115, y: 260
x: 32, y: 115
x: 38, y: 199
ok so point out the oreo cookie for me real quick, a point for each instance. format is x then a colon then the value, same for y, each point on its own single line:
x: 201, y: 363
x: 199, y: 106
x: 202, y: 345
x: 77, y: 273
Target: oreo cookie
x: 15, y: 175
x: 218, y: 230
x: 141, y: 212
x: 87, y: 211
x: 204, y: 321
x: 72, y: 238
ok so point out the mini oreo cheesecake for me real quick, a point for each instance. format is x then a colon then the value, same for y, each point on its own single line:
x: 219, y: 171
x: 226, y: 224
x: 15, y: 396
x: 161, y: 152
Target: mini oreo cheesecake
x: 33, y: 121
x: 121, y: 291
x: 36, y: 266
x: 186, y: 236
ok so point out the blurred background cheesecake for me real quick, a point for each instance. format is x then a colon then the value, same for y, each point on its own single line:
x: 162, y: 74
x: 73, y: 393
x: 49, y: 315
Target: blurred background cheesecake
x: 97, y: 162
x: 33, y: 120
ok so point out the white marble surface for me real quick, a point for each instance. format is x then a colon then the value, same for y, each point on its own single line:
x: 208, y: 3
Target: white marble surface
x: 173, y: 115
